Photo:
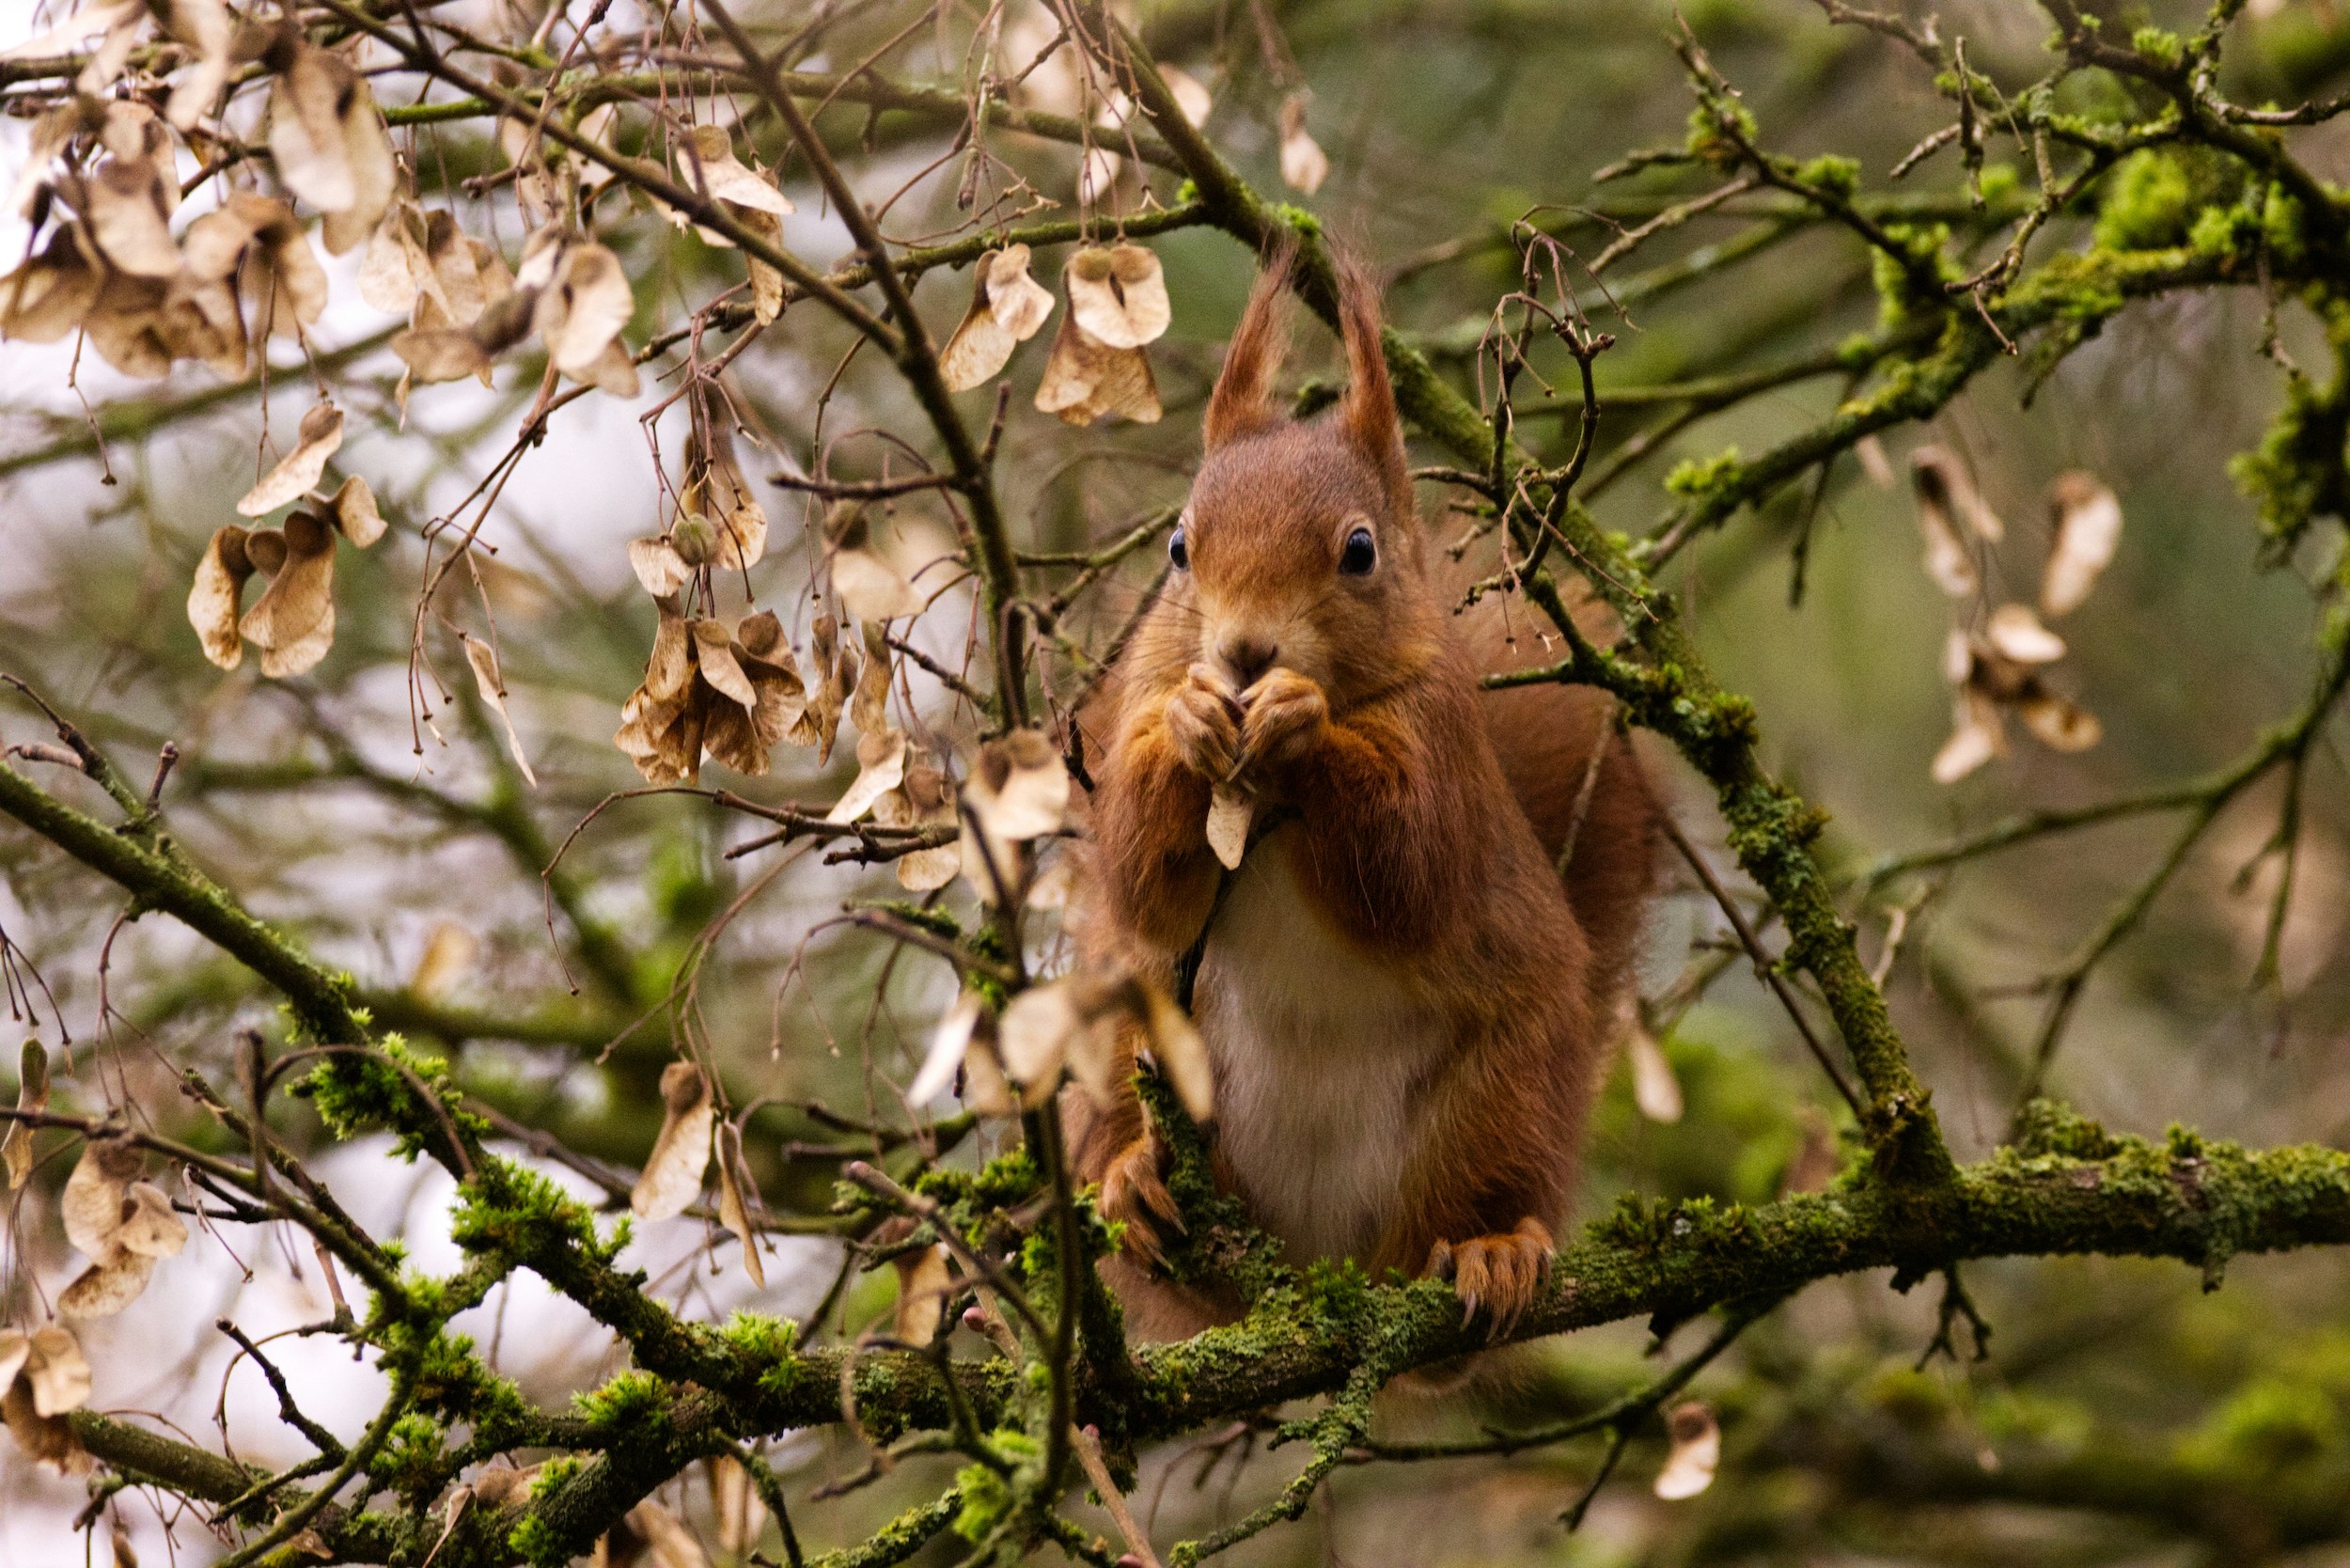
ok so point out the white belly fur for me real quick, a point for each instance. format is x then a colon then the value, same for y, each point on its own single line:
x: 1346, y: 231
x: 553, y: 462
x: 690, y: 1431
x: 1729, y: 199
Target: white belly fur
x: 1321, y: 1052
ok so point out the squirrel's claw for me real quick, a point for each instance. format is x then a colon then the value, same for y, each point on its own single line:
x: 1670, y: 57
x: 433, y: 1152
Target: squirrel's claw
x: 1501, y: 1273
x: 1286, y: 711
x: 1135, y: 1194
x: 1204, y: 718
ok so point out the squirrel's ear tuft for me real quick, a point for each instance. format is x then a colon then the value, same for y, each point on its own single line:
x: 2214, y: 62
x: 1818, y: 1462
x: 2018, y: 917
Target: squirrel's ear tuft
x: 1243, y: 399
x: 1369, y: 412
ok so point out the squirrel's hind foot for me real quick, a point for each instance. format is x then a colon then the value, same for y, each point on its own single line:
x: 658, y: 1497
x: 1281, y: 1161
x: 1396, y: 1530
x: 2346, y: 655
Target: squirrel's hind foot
x: 1500, y: 1274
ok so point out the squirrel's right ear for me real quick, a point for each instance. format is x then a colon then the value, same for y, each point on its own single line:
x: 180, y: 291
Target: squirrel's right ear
x: 1243, y: 400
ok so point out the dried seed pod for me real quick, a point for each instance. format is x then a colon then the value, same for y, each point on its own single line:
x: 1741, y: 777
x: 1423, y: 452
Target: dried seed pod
x: 293, y: 624
x: 298, y: 472
x: 491, y: 687
x: 1696, y: 1451
x: 2087, y: 518
x: 1008, y: 307
x: 1085, y: 380
x: 586, y: 304
x: 1304, y: 164
x: 881, y: 766
x: 1118, y: 296
x: 672, y: 1177
x: 16, y: 1144
x: 216, y: 598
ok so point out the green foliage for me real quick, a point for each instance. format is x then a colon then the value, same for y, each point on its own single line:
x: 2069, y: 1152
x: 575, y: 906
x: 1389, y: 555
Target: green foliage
x: 625, y: 1401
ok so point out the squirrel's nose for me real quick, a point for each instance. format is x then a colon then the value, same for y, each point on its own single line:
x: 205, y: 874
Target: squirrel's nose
x: 1245, y: 656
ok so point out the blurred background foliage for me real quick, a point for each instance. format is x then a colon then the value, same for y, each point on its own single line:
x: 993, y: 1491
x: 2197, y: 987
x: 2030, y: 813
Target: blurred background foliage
x: 2121, y: 1416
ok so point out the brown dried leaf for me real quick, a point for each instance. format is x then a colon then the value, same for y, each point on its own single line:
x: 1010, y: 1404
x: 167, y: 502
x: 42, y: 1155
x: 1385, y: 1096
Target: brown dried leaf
x: 1978, y: 733
x: 50, y: 294
x: 818, y: 719
x: 55, y: 1371
x: 440, y: 353
x: 216, y: 598
x: 2060, y: 723
x: 1655, y: 1089
x: 672, y: 1177
x: 1118, y: 296
x: 2014, y: 633
x: 491, y: 687
x: 1696, y: 1451
x: 32, y: 1094
x: 949, y: 1043
x: 923, y: 1284
x: 316, y: 91
x: 710, y: 151
x: 374, y: 175
x: 449, y: 955
x: 91, y: 1205
x: 106, y: 1288
x: 922, y: 801
x: 1939, y: 481
x: 586, y: 304
x: 881, y: 766
x: 2087, y: 517
x: 207, y: 29
x: 741, y: 1512
x: 613, y: 370
x: 664, y: 1536
x: 1084, y: 380
x: 868, y: 709
x: 127, y: 208
x: 298, y: 472
x: 658, y: 566
x: 395, y: 266
x: 713, y: 655
x: 1008, y: 307
x: 1183, y: 1055
x: 1228, y: 814
x: 149, y: 1228
x: 658, y: 726
x: 1032, y: 1037
x: 293, y: 624
x: 354, y: 512
x: 1304, y: 164
x: 45, y: 1439
x: 733, y: 1181
x: 871, y: 588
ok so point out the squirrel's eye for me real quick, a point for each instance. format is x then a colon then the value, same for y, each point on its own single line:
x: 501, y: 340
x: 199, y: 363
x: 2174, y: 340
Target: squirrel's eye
x: 1361, y: 555
x: 1178, y: 551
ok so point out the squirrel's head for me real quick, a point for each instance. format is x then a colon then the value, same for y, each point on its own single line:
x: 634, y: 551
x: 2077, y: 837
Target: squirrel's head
x: 1300, y: 546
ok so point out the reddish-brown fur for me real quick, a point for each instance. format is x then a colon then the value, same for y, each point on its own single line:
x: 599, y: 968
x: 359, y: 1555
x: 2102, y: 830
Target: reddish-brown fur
x: 1419, y: 821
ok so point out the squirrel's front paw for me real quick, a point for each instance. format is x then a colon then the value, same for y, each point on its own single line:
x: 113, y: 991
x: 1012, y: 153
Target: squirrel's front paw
x: 1135, y: 1194
x: 1501, y: 1273
x: 1285, y: 712
x: 1204, y: 718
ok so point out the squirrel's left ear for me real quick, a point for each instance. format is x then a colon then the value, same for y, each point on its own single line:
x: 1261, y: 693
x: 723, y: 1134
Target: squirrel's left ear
x: 1243, y: 399
x: 1368, y: 413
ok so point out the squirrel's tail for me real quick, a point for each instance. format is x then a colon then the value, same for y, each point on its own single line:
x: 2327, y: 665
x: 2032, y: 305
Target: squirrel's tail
x: 1577, y: 775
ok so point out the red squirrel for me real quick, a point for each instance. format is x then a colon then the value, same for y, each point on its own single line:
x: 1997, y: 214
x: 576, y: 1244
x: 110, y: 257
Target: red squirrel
x: 1406, y: 1007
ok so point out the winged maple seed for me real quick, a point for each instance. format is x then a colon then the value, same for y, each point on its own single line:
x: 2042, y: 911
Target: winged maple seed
x: 1018, y: 792
x: 923, y: 799
x: 1304, y: 164
x: 326, y: 138
x: 1696, y: 1451
x: 1118, y: 296
x: 730, y: 695
x: 649, y: 1536
x: 1949, y: 509
x: 924, y: 1282
x: 1008, y: 307
x: 734, y: 1181
x: 1998, y: 670
x: 43, y: 1375
x: 491, y: 686
x: 293, y: 623
x: 123, y: 1225
x: 32, y: 1097
x: 1070, y: 1025
x: 2087, y: 520
x: 298, y: 472
x: 672, y: 1177
x: 708, y: 163
x: 741, y: 1512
